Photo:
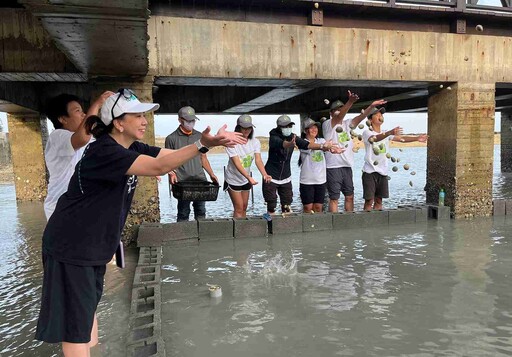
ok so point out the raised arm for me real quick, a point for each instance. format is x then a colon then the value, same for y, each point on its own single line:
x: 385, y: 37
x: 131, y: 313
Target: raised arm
x: 340, y: 113
x: 80, y: 137
x: 358, y: 119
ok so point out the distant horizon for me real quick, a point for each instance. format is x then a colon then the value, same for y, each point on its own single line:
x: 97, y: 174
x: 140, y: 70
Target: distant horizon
x: 414, y: 123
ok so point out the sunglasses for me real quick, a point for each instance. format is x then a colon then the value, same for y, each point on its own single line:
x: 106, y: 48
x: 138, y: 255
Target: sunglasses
x: 127, y: 94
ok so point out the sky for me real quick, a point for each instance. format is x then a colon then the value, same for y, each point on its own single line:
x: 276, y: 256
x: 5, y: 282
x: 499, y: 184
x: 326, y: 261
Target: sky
x: 166, y: 124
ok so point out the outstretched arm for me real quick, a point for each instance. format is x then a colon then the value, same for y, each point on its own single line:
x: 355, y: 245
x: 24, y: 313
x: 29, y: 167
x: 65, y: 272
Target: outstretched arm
x: 409, y: 138
x: 261, y: 168
x: 146, y: 165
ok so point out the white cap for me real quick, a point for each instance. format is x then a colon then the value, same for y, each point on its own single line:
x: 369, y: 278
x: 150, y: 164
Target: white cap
x: 124, y: 103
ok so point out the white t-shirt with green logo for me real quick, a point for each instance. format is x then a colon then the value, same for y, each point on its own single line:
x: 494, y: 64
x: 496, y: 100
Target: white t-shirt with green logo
x: 312, y: 170
x: 370, y: 156
x: 246, y: 155
x: 346, y: 159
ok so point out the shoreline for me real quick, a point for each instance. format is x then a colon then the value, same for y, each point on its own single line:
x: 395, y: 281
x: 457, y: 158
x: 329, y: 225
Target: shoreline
x: 160, y: 140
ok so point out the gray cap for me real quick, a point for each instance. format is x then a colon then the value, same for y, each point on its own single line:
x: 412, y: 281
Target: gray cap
x: 308, y: 123
x: 337, y: 104
x: 245, y: 121
x: 188, y: 113
x: 375, y: 110
x: 284, y: 120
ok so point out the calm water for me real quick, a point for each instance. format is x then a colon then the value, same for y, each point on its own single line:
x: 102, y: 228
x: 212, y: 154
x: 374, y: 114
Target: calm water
x: 21, y: 227
x: 441, y: 290
x: 401, y: 192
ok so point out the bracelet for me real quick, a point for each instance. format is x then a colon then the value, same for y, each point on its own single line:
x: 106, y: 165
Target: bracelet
x: 321, y: 146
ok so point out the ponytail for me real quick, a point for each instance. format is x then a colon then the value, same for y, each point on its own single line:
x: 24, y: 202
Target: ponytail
x: 94, y: 126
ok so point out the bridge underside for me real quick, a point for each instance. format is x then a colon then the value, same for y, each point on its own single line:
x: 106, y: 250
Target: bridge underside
x: 268, y: 57
x: 214, y: 95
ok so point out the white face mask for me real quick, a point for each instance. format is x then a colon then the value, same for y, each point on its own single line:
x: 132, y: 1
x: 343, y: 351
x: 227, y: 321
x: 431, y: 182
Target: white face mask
x: 286, y: 131
x: 337, y: 112
x: 188, y: 125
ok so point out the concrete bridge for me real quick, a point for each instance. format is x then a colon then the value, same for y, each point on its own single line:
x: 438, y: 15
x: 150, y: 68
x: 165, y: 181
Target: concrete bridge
x: 269, y: 56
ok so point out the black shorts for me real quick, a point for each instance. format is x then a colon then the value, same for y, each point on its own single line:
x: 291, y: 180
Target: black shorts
x: 70, y: 296
x: 375, y: 185
x: 246, y: 187
x: 285, y: 191
x: 312, y: 193
x: 339, y: 179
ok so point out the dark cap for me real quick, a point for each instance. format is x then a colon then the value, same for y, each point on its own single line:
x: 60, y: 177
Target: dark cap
x: 376, y: 110
x: 337, y: 104
x: 308, y: 123
x: 245, y: 121
x: 188, y: 113
x: 284, y: 120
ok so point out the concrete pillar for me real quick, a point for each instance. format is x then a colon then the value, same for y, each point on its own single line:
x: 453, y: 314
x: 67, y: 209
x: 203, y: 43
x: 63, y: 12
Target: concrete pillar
x: 461, y: 147
x: 506, y: 141
x: 145, y: 207
x: 27, y: 156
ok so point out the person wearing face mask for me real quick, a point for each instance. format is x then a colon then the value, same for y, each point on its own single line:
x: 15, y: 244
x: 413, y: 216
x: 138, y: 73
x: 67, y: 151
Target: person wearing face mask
x: 192, y: 170
x: 281, y: 144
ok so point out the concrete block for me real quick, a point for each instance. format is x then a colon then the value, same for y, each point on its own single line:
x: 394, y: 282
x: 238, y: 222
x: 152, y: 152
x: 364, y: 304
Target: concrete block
x: 402, y: 216
x: 421, y: 213
x: 361, y: 219
x: 439, y: 212
x: 250, y: 227
x: 508, y: 207
x: 316, y: 222
x: 215, y: 228
x: 290, y: 223
x: 150, y: 256
x: 345, y: 220
x: 181, y: 242
x: 146, y: 275
x: 153, y: 347
x: 180, y: 230
x: 150, y: 234
x: 499, y: 207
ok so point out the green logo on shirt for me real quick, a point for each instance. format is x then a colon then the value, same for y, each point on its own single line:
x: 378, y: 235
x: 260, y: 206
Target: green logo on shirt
x: 246, y: 161
x: 343, y: 137
x: 317, y: 156
x: 380, y: 147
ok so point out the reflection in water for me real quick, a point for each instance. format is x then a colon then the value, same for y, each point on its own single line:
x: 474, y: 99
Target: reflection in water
x: 440, y: 289
x: 21, y: 230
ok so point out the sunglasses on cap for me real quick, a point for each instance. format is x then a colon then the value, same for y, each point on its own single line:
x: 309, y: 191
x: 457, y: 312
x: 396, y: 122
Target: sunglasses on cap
x: 128, y: 94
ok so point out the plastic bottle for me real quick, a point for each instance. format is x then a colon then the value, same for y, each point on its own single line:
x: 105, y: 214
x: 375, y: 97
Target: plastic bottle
x: 441, y: 197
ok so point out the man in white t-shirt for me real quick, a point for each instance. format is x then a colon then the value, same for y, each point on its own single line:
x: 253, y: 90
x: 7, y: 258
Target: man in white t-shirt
x: 375, y: 168
x: 339, y: 167
x: 66, y: 143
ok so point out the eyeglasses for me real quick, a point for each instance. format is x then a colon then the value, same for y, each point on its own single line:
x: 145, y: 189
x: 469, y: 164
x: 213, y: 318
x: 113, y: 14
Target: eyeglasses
x: 127, y: 94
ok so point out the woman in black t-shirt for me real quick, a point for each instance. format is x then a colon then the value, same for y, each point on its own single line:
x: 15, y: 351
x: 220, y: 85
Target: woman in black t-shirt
x: 84, y: 231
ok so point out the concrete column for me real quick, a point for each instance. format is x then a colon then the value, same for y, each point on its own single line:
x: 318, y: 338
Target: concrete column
x: 27, y: 156
x: 145, y: 207
x: 461, y: 147
x: 506, y: 141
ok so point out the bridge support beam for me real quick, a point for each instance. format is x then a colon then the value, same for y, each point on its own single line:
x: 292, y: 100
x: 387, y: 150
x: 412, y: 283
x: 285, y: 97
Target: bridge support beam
x: 27, y: 156
x: 461, y: 146
x: 145, y: 207
x: 506, y: 141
